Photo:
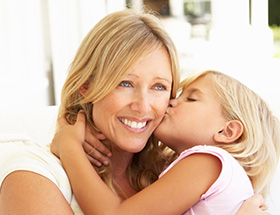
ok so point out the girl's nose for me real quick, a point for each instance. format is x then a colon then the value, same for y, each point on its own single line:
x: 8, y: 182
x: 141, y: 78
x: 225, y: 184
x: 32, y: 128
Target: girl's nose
x: 173, y: 102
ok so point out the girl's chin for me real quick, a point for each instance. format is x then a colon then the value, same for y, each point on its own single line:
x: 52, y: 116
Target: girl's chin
x: 159, y: 132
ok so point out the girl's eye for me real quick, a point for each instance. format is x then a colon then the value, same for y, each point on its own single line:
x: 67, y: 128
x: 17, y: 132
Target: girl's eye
x: 190, y: 99
x: 125, y: 84
x: 160, y: 87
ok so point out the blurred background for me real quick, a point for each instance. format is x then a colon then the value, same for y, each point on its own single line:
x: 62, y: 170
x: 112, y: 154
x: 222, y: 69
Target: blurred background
x: 39, y: 38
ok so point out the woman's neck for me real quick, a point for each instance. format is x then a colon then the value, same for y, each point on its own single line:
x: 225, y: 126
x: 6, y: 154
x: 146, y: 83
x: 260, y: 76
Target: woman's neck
x: 120, y: 162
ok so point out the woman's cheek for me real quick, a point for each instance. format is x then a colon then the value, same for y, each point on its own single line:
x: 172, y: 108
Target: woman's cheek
x: 163, y: 108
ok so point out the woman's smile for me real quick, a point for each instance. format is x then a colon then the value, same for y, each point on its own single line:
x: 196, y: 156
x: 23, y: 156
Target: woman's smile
x: 135, y: 125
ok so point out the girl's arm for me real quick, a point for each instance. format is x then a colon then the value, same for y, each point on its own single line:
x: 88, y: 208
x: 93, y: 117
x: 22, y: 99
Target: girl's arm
x: 179, y: 189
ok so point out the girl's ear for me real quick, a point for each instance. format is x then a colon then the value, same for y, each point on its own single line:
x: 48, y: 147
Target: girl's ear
x: 231, y: 132
x: 84, y: 88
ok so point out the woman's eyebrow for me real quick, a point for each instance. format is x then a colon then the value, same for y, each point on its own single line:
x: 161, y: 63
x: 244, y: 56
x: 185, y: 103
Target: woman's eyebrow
x: 164, y: 79
x: 155, y: 78
x: 133, y: 75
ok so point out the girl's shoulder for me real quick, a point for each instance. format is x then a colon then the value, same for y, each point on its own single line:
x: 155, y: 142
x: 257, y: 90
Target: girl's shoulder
x: 206, y: 149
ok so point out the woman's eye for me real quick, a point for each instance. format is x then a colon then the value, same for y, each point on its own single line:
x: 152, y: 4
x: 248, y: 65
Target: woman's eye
x: 125, y: 84
x: 160, y: 87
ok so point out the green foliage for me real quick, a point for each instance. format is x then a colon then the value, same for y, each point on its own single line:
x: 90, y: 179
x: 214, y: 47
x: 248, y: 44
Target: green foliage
x: 276, y: 32
x: 274, y: 12
x: 276, y: 37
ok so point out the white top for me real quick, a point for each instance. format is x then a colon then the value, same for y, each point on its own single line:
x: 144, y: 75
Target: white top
x: 18, y: 153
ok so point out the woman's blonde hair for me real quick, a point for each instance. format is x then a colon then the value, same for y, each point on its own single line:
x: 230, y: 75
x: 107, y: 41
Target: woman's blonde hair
x: 258, y: 148
x: 115, y: 44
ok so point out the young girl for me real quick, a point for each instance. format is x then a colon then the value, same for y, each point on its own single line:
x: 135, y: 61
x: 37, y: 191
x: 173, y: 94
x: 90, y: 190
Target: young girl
x: 220, y: 129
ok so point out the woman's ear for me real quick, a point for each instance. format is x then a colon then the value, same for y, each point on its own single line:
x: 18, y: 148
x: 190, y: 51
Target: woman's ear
x: 231, y: 132
x: 84, y: 88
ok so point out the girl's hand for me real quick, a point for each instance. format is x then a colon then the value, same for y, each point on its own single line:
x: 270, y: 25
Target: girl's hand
x: 253, y: 206
x: 69, y: 135
x: 96, y: 151
x: 80, y: 132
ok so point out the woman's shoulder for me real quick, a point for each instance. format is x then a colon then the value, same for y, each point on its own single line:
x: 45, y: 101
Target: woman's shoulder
x: 23, y: 155
x: 32, y: 193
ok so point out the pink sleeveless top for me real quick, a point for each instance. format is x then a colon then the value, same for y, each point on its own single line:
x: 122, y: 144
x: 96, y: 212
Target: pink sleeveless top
x: 228, y: 192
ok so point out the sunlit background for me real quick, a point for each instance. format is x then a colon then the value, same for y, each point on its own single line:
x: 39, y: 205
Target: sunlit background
x: 39, y: 38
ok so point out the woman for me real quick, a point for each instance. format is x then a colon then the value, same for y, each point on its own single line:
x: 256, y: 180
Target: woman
x: 110, y: 57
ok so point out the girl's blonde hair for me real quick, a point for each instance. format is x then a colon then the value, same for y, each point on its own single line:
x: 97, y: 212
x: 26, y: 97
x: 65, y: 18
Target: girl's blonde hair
x: 258, y: 149
x: 112, y: 47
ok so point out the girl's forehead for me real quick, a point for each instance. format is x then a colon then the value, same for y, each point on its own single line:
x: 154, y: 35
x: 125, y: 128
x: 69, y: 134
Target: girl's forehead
x: 200, y: 85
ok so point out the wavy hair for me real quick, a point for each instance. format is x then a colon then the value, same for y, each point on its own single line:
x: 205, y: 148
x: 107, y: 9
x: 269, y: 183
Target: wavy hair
x: 113, y: 46
x: 258, y: 148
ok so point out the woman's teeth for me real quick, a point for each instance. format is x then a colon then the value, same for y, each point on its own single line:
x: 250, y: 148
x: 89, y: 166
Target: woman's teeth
x: 134, y: 124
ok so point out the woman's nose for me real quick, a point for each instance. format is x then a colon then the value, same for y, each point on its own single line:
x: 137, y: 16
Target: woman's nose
x: 142, y: 103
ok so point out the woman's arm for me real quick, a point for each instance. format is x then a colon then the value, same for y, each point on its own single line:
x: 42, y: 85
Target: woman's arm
x: 174, y: 193
x: 28, y: 193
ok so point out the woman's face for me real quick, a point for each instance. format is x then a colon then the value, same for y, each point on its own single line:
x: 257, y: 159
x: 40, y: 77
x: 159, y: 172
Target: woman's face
x: 129, y: 114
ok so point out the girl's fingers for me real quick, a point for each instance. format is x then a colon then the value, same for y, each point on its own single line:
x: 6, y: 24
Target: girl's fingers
x: 96, y: 134
x: 94, y: 162
x: 95, y: 149
x: 92, y: 138
x: 253, y: 205
x: 94, y: 154
x: 257, y: 199
x: 81, y: 118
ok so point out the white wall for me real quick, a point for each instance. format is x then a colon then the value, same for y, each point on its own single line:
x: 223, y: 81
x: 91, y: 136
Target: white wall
x: 23, y: 71
x: 38, y: 37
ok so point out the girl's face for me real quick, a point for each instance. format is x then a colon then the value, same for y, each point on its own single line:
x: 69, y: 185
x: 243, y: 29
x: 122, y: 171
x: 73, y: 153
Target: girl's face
x: 193, y: 118
x: 129, y: 114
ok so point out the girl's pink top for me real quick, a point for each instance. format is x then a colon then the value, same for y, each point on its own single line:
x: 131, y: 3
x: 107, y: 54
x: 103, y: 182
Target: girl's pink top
x: 228, y: 192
